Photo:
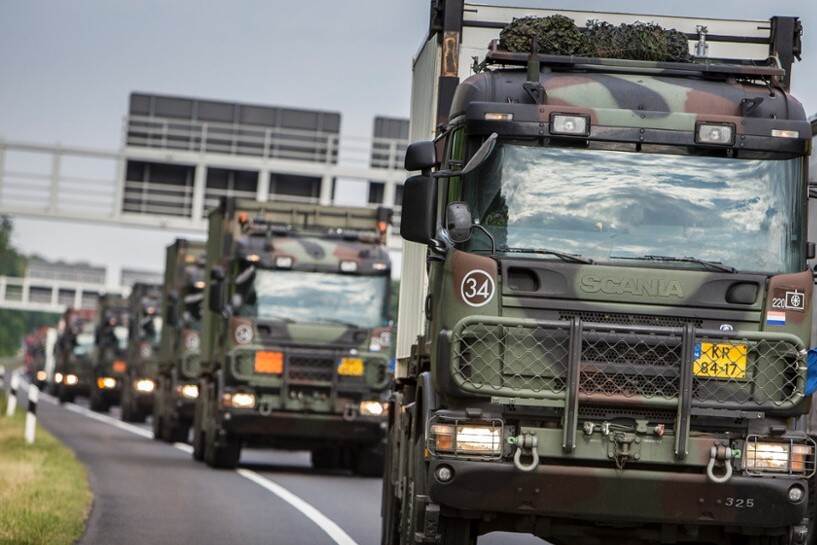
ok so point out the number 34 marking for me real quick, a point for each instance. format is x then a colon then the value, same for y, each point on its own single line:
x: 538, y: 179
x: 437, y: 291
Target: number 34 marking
x: 477, y: 288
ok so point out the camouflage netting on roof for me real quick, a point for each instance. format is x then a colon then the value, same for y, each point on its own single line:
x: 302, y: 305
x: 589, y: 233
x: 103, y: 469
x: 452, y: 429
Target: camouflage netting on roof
x: 559, y: 35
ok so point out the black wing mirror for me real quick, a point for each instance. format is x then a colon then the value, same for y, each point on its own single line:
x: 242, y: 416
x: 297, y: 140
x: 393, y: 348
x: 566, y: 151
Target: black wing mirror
x: 421, y: 156
x: 216, y: 293
x: 418, y: 221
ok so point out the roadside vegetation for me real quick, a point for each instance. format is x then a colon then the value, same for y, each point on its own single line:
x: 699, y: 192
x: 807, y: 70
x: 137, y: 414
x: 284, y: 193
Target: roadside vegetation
x: 44, y: 492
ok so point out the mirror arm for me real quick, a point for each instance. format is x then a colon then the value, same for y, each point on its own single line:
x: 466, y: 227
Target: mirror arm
x: 489, y: 235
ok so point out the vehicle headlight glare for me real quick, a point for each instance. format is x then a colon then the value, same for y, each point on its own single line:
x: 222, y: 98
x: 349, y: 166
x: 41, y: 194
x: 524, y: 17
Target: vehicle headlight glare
x: 239, y: 400
x: 58, y: 377
x: 190, y: 391
x: 145, y: 385
x: 778, y: 457
x: 71, y: 380
x: 372, y: 408
x: 467, y: 439
x: 41, y: 375
x: 106, y: 383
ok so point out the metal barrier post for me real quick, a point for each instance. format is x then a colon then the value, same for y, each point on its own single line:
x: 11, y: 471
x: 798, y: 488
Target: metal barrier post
x: 31, y: 413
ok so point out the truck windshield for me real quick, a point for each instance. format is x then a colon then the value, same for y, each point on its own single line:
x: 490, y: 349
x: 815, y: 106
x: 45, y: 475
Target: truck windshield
x: 85, y: 343
x: 356, y: 301
x: 611, y: 205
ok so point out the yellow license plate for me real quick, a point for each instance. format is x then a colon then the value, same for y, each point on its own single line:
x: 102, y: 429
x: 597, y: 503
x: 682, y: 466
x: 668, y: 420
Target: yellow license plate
x: 720, y: 360
x: 351, y: 367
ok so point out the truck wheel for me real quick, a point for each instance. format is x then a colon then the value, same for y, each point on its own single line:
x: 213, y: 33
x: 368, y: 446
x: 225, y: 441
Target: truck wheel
x: 325, y: 459
x: 178, y: 433
x: 62, y: 396
x: 156, y: 424
x: 457, y: 532
x: 96, y: 403
x: 199, y: 439
x: 368, y: 461
x: 222, y: 456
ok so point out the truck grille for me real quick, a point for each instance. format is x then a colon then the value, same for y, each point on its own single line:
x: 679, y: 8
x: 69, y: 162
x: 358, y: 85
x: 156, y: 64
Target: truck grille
x: 627, y: 364
x: 310, y: 368
x: 629, y: 319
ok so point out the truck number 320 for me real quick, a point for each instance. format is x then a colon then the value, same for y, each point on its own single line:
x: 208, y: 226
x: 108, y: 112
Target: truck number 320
x: 739, y: 503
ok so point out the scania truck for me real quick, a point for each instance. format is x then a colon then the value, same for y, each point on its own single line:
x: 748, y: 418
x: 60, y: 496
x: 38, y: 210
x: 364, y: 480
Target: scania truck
x: 177, y: 384
x: 605, y: 305
x: 73, y: 353
x: 296, y: 333
x: 145, y: 330
x: 110, y: 352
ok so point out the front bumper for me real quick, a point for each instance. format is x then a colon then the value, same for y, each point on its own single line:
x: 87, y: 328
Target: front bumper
x: 311, y: 429
x: 613, y: 496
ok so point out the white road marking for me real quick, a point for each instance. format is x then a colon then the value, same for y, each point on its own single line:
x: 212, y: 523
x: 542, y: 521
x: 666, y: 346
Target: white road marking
x: 325, y: 523
x: 306, y: 509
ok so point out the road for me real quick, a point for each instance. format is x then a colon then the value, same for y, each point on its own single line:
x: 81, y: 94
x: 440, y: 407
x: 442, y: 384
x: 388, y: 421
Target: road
x: 151, y: 492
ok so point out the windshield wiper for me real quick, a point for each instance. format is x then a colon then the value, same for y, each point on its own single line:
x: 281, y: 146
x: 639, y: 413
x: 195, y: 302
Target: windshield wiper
x: 572, y: 258
x: 711, y: 265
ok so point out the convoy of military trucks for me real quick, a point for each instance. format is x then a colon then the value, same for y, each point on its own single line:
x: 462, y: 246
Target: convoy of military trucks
x: 605, y: 302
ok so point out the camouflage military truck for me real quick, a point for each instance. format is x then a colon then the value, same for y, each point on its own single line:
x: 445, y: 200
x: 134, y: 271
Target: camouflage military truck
x: 612, y: 345
x: 73, y: 353
x: 296, y: 334
x: 182, y: 297
x: 110, y: 351
x: 144, y: 334
x: 34, y: 355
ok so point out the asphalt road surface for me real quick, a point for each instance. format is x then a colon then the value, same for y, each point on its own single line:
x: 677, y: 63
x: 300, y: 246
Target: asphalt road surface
x: 147, y: 492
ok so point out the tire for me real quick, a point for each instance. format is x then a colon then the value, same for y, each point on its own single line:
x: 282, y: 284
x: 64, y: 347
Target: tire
x: 64, y: 397
x: 369, y: 461
x: 96, y: 403
x: 157, y: 424
x: 326, y: 459
x: 222, y: 456
x: 457, y: 532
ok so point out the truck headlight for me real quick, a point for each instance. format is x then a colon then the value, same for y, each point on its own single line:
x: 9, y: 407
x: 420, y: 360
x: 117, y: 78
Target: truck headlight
x: 106, y: 383
x: 372, y: 408
x: 190, y: 391
x: 145, y: 385
x: 58, y: 377
x: 71, y: 380
x: 41, y: 376
x: 239, y: 400
x: 466, y: 439
x: 777, y: 457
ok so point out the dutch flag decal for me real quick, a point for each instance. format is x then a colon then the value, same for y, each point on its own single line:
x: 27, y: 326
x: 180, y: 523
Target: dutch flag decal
x: 775, y: 318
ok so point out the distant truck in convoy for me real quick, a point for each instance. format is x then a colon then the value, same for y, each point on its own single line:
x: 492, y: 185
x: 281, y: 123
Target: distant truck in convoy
x: 145, y: 330
x: 296, y: 333
x: 38, y: 355
x: 182, y: 299
x: 110, y: 352
x: 73, y: 355
x: 605, y: 303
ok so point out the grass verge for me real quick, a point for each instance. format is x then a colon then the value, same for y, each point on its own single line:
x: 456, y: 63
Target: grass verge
x: 44, y: 492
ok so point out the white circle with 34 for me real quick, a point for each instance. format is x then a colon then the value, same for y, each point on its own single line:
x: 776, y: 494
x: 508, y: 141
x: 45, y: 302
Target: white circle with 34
x: 191, y: 342
x: 477, y: 288
x: 243, y: 333
x: 145, y: 350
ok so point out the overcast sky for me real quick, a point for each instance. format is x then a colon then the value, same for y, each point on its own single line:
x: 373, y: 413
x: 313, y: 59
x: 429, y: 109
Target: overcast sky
x: 67, y: 68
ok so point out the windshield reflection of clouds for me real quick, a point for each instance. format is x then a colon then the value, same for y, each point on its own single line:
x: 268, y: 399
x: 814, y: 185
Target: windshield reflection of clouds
x: 85, y: 343
x: 320, y: 297
x: 744, y: 213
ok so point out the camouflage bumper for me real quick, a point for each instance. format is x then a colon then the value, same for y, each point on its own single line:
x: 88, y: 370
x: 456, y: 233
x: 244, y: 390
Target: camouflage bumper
x: 629, y: 496
x: 307, y: 430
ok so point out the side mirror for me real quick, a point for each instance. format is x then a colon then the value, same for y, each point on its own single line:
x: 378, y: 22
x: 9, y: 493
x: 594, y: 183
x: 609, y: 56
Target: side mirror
x: 458, y: 222
x: 418, y: 223
x: 171, y: 309
x: 421, y: 156
x: 216, y: 294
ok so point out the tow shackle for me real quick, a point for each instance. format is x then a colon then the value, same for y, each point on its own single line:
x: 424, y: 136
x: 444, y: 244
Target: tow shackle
x: 523, y: 442
x: 719, y: 454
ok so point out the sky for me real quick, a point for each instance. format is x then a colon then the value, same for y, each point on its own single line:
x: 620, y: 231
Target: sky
x: 67, y: 68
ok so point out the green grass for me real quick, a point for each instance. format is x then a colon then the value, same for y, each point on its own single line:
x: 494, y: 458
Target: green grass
x: 44, y: 493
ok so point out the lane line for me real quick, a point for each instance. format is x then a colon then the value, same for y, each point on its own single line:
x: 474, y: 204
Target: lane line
x: 335, y: 532
x: 324, y: 523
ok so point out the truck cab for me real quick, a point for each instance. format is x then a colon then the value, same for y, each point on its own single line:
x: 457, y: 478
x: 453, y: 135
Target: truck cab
x: 145, y: 330
x: 110, y: 352
x: 73, y: 355
x: 182, y: 306
x: 618, y: 307
x: 296, y: 333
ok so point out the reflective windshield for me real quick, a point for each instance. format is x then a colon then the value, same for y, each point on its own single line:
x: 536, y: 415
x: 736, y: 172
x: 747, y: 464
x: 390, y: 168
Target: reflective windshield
x: 152, y: 327
x: 121, y: 334
x: 318, y: 297
x: 604, y: 205
x: 85, y: 343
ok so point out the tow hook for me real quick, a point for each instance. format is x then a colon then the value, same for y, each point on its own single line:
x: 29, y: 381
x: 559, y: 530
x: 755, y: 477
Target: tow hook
x: 265, y: 408
x: 349, y: 413
x: 524, y: 442
x: 720, y: 454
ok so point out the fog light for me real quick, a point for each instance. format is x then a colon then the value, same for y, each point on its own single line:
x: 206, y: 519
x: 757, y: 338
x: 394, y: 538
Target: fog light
x: 372, y: 408
x: 796, y: 493
x: 466, y: 439
x: 145, y: 385
x: 41, y: 376
x: 71, y: 380
x: 444, y: 473
x: 190, y: 391
x: 106, y: 383
x: 573, y: 125
x: 239, y: 400
x: 709, y: 133
x: 58, y: 377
